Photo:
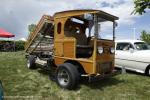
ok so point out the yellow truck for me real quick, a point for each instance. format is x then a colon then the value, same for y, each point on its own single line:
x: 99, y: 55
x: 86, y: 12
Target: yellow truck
x: 69, y: 46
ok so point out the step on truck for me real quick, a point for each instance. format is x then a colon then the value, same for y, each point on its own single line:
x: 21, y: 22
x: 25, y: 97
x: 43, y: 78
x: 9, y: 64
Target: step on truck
x: 70, y: 46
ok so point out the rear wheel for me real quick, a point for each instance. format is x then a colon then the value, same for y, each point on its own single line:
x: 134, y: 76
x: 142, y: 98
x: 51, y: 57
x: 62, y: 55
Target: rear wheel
x: 31, y: 62
x: 67, y: 76
x: 148, y: 71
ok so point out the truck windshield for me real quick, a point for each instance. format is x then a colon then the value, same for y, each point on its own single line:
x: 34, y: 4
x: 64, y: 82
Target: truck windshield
x: 105, y: 29
x: 141, y: 46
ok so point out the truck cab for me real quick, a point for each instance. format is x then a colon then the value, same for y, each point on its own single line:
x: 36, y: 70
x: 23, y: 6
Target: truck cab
x: 78, y: 49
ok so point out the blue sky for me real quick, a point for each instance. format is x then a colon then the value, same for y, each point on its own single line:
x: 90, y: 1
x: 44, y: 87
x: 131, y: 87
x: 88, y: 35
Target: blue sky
x: 141, y: 23
x: 16, y: 15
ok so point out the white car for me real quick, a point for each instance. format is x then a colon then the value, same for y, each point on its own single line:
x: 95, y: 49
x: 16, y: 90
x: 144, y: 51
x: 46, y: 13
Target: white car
x: 133, y: 55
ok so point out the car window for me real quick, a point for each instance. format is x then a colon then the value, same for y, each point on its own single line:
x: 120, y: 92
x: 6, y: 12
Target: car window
x: 141, y: 46
x: 124, y: 46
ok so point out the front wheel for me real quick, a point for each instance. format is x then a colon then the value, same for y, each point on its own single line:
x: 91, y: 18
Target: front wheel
x: 67, y: 76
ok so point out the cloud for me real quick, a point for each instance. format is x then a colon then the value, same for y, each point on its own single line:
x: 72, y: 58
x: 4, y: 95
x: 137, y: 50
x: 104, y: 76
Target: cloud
x: 16, y: 15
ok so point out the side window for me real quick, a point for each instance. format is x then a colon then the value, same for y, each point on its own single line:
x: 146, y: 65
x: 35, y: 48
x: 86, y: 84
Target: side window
x: 123, y: 46
x: 59, y: 28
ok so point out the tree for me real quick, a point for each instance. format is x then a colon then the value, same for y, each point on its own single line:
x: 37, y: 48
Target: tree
x: 31, y: 28
x: 145, y: 36
x: 140, y: 6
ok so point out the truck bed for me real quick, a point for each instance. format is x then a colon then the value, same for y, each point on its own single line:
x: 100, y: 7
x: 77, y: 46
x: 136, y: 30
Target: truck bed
x: 41, y: 39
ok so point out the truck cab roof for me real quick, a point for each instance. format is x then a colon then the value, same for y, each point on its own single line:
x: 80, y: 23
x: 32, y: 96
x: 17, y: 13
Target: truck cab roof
x: 77, y: 12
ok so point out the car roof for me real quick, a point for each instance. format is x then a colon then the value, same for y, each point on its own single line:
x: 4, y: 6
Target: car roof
x: 129, y: 40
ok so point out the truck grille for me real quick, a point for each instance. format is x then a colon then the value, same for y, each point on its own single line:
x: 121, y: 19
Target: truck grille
x: 106, y: 50
x: 104, y: 67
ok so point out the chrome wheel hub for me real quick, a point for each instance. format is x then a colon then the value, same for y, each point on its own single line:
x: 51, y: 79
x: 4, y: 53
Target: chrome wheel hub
x: 63, y: 77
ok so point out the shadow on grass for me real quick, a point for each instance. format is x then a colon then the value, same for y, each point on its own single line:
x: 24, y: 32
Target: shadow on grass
x: 100, y: 84
x: 132, y: 72
x: 136, y: 73
x: 47, y: 73
x: 44, y: 72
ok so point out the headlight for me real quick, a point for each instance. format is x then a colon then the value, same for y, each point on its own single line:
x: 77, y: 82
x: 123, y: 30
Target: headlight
x: 112, y: 50
x: 100, y: 50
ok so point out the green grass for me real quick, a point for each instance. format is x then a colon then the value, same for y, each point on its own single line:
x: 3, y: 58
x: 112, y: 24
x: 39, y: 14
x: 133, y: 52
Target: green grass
x: 19, y: 81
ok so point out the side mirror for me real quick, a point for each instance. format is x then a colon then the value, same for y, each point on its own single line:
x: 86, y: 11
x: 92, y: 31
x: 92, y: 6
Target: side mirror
x: 131, y: 50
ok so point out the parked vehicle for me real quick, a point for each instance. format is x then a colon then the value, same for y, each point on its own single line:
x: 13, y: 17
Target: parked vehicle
x: 61, y: 45
x: 133, y: 55
x: 1, y: 91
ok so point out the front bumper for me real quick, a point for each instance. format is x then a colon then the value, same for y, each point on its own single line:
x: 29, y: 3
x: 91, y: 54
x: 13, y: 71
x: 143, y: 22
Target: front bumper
x: 100, y: 77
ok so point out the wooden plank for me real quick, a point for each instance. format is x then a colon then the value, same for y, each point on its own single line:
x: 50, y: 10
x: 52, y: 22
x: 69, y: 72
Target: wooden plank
x: 34, y: 34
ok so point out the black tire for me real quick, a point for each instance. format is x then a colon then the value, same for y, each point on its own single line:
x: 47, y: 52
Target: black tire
x: 67, y: 76
x: 147, y: 71
x: 31, y: 62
